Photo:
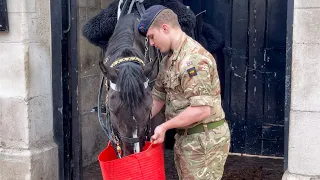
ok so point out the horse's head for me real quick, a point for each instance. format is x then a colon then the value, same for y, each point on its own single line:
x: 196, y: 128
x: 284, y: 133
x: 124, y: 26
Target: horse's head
x: 129, y: 97
x: 128, y: 72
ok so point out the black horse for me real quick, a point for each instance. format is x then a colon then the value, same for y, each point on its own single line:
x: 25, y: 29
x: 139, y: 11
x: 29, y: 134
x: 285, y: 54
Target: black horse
x: 130, y: 70
x: 101, y: 27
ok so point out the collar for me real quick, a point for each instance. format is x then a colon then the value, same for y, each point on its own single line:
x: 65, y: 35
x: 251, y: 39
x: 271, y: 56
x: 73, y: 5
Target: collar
x: 127, y: 59
x: 182, y: 41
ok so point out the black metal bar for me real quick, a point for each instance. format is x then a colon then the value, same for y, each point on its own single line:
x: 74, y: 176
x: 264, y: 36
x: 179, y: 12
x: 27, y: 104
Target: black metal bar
x: 66, y: 93
x: 67, y: 132
x: 4, y: 23
x: 290, y: 9
x: 57, y: 83
x: 76, y: 143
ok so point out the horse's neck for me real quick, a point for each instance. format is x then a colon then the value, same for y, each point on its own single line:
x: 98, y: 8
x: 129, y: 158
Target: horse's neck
x: 139, y: 40
x: 141, y: 44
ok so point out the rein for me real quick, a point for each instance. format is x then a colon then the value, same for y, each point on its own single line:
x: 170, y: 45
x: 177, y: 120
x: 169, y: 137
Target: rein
x: 115, y: 139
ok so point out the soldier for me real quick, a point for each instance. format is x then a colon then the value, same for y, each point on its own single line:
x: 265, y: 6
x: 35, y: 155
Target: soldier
x: 188, y: 84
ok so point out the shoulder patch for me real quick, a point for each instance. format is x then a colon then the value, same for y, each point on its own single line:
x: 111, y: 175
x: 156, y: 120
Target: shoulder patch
x: 192, y: 71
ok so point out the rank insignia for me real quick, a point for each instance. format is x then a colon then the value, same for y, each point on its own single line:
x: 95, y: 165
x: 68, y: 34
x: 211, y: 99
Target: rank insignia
x: 192, y: 72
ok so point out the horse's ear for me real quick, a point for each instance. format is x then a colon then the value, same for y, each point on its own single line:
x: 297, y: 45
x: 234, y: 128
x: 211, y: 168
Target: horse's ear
x: 109, y: 72
x: 147, y: 69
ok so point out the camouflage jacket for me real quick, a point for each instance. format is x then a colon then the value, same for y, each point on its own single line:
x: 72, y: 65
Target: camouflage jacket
x: 188, y: 76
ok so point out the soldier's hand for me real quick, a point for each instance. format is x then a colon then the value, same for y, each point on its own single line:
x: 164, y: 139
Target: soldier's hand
x: 159, y: 134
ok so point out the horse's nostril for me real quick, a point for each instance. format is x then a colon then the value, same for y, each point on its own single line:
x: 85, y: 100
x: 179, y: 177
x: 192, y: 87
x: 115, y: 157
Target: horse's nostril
x: 113, y: 96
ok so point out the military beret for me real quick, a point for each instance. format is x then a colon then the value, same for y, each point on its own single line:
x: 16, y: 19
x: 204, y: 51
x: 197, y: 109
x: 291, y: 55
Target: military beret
x: 148, y: 17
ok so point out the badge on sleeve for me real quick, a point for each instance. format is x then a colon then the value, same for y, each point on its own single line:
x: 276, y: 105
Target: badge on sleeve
x: 192, y: 72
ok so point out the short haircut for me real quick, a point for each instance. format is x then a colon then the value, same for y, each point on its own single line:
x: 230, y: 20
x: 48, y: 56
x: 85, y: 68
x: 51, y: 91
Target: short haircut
x: 167, y: 16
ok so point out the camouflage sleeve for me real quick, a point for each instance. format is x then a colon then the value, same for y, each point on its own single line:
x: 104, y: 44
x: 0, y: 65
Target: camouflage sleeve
x: 197, y: 81
x: 158, y: 90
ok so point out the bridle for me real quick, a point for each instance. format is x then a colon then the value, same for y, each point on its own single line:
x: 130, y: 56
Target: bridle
x: 135, y: 139
x: 115, y: 137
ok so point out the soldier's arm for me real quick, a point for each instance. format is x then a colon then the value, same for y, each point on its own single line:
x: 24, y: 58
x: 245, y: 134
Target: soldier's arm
x: 187, y: 117
x: 158, y: 95
x: 195, y: 74
x: 157, y: 106
x: 196, y: 82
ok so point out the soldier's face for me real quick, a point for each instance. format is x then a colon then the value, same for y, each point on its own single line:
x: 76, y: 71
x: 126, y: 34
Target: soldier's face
x: 159, y: 38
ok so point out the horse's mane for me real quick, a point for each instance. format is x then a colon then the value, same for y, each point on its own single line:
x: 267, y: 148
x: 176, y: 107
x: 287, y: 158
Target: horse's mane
x: 122, y: 37
x: 130, y: 78
x: 131, y: 83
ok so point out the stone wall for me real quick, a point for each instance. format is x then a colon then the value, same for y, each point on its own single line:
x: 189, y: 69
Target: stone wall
x: 93, y: 138
x: 27, y: 149
x: 304, y: 139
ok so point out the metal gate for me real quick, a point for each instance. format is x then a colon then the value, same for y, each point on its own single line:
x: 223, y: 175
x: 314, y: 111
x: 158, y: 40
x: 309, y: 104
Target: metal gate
x: 254, y: 68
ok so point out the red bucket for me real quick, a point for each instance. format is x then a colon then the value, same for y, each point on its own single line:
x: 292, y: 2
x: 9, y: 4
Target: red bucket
x: 148, y: 164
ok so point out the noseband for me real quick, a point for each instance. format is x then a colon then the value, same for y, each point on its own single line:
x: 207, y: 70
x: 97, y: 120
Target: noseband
x: 118, y: 137
x: 135, y: 140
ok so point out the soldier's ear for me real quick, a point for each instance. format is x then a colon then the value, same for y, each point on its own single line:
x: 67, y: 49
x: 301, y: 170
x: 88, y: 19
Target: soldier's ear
x: 166, y: 28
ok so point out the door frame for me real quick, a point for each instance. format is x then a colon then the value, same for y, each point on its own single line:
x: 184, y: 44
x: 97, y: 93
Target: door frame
x: 290, y: 10
x: 66, y: 122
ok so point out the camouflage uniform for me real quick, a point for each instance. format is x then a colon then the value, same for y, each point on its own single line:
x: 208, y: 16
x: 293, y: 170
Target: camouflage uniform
x: 189, y: 77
